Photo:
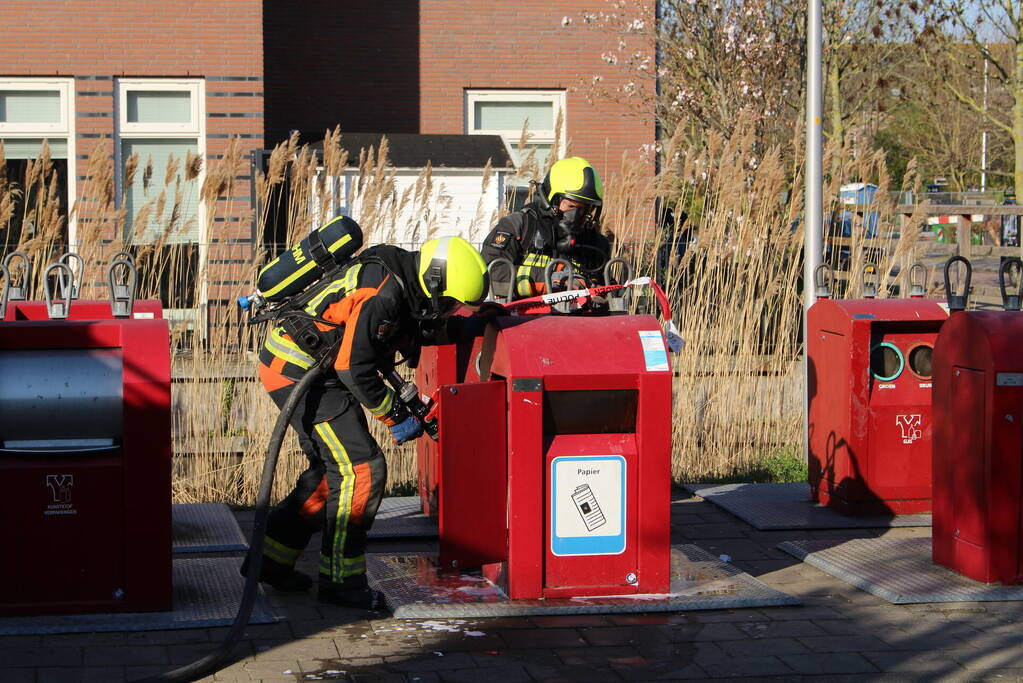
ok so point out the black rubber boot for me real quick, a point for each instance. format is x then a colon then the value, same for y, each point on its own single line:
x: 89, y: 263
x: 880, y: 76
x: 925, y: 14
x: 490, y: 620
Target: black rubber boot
x: 354, y: 593
x: 280, y: 576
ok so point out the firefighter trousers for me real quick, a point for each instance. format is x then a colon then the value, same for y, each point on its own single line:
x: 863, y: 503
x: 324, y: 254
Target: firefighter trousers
x: 341, y: 489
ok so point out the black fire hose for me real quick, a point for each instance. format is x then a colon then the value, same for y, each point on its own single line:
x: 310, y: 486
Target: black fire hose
x: 214, y: 661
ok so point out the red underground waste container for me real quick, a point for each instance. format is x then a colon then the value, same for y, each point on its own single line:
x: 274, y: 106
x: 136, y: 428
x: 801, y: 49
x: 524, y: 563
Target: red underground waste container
x: 869, y: 403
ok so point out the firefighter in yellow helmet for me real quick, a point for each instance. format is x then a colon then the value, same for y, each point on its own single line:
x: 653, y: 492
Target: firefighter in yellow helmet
x: 563, y: 222
x: 375, y: 307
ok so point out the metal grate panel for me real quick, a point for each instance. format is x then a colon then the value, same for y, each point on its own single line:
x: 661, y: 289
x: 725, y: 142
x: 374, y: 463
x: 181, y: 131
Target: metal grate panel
x: 772, y: 507
x: 402, y: 517
x: 699, y: 581
x: 205, y: 528
x: 898, y: 570
x: 207, y: 592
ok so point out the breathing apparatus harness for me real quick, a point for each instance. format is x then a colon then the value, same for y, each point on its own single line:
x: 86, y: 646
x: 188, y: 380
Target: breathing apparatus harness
x: 290, y: 314
x: 305, y: 331
x: 303, y: 327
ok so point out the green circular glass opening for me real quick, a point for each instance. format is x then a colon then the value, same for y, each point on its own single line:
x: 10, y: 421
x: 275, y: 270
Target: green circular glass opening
x: 886, y: 362
x: 919, y: 358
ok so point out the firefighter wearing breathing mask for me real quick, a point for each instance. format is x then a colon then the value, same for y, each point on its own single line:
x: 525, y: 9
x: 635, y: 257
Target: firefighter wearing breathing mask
x: 387, y: 300
x: 563, y: 222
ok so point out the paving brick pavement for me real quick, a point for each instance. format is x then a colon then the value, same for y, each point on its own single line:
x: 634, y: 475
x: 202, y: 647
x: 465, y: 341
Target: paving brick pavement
x: 837, y: 634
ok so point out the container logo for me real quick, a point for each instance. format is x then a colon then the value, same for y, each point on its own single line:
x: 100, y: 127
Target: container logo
x: 60, y: 486
x: 910, y: 426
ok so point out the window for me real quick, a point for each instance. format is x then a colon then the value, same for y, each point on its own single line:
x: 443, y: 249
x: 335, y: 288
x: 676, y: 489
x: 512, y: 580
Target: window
x: 160, y: 130
x: 505, y: 112
x: 33, y: 110
x: 160, y: 127
x: 35, y: 107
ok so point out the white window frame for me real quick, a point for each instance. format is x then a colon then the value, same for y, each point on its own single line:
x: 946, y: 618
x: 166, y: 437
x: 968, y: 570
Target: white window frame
x: 197, y: 95
x: 511, y: 137
x: 64, y: 129
x: 196, y: 128
x: 193, y: 318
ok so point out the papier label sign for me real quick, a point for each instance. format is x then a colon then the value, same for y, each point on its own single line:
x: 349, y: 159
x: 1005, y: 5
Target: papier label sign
x: 588, y: 505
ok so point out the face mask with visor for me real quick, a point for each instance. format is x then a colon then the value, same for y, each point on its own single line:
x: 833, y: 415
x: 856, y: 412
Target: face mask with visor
x: 572, y: 224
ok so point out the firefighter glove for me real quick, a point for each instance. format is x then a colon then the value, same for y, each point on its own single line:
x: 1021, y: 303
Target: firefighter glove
x: 468, y: 327
x: 397, y: 414
x: 491, y: 309
x: 410, y: 428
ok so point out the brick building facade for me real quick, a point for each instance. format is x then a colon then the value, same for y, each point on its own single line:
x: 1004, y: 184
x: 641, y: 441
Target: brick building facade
x: 176, y: 78
x: 430, y: 66
x: 353, y: 64
x: 152, y: 78
x: 470, y: 47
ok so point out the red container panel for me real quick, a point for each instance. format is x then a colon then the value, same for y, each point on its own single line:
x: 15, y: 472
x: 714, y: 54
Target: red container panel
x: 81, y: 309
x: 900, y: 425
x: 591, y: 498
x: 557, y: 479
x: 473, y: 475
x: 71, y: 532
x: 92, y: 529
x: 610, y: 405
x: 439, y: 366
x: 869, y: 394
x: 978, y: 446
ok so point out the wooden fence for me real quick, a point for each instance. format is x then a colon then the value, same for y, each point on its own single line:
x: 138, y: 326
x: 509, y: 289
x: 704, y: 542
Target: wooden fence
x: 932, y: 254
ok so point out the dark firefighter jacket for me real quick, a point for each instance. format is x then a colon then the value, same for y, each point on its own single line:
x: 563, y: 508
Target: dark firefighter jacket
x: 372, y: 305
x: 527, y: 238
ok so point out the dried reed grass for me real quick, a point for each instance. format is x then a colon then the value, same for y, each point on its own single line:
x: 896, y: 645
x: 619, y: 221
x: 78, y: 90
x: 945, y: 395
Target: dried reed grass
x: 735, y: 293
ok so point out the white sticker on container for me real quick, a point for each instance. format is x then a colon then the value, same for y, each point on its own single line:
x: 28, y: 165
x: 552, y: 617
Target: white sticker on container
x: 654, y: 355
x: 588, y: 505
x: 144, y: 315
x: 1009, y: 379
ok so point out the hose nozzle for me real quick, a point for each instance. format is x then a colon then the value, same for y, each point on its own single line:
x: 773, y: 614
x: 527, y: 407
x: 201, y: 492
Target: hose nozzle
x: 408, y: 393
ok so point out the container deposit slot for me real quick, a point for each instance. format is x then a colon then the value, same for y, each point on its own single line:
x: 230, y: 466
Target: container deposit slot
x: 919, y: 358
x: 886, y: 362
x: 61, y: 401
x: 611, y: 411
